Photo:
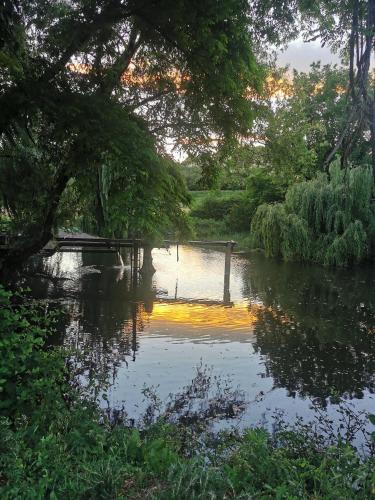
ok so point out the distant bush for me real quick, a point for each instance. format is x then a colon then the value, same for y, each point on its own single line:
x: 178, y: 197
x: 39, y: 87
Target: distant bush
x: 216, y: 205
x: 329, y: 220
x: 192, y: 174
x: 237, y: 209
x: 263, y: 187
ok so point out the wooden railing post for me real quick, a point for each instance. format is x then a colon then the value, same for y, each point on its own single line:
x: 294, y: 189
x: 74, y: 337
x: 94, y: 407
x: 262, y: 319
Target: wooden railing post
x: 135, y: 262
x: 228, y: 255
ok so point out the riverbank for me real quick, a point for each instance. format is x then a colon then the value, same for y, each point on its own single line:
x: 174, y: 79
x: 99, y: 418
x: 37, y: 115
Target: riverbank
x: 55, y: 441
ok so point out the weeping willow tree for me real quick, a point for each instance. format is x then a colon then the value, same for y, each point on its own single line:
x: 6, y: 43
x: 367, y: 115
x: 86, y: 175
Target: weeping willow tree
x: 328, y: 220
x: 145, y: 202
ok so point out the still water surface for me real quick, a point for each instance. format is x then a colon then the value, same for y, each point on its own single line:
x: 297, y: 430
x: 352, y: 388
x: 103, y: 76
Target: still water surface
x: 290, y: 334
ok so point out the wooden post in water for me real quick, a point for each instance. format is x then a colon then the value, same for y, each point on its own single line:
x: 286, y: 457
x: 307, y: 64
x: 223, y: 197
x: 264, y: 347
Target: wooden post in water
x: 135, y: 263
x: 228, y: 255
x: 134, y: 329
x: 147, y: 266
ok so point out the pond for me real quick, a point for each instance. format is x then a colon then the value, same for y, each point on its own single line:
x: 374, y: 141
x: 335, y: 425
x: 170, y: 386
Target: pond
x: 288, y: 336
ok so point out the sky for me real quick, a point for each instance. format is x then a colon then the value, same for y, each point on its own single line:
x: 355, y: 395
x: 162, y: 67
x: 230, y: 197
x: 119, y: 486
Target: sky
x: 299, y: 55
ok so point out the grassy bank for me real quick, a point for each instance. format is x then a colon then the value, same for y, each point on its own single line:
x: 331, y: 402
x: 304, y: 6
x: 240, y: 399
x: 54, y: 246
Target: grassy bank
x: 198, y: 196
x: 55, y: 442
x: 219, y: 215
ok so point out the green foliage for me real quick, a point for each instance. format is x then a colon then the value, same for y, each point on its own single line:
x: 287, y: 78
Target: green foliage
x: 286, y: 148
x: 233, y: 211
x: 240, y: 162
x: 5, y: 224
x: 282, y: 473
x: 191, y: 173
x: 300, y: 126
x: 298, y: 123
x: 263, y: 187
x: 320, y: 96
x: 91, y: 95
x: 216, y: 205
x: 208, y: 228
x: 327, y: 220
x: 218, y: 213
x: 24, y: 361
x: 135, y: 192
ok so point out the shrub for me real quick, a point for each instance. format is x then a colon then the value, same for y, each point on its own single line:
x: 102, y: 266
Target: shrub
x: 216, y: 206
x: 24, y: 362
x: 238, y: 208
x: 329, y: 220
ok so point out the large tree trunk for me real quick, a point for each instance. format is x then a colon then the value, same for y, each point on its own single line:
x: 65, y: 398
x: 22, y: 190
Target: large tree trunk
x: 361, y: 108
x: 372, y: 129
x: 36, y: 235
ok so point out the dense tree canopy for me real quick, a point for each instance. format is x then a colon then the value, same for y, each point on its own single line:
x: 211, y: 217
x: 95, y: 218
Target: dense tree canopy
x: 91, y: 83
x: 95, y: 94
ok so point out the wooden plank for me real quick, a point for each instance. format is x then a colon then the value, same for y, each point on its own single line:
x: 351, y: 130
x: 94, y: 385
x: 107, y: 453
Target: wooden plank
x: 212, y: 243
x: 97, y: 244
x: 202, y: 243
x: 113, y: 242
x: 87, y: 250
x: 103, y: 241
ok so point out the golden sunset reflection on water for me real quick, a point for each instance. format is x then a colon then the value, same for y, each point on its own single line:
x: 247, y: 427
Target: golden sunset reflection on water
x: 194, y: 320
x: 236, y: 317
x: 286, y: 334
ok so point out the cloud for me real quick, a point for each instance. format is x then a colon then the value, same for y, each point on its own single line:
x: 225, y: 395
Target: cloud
x: 299, y: 55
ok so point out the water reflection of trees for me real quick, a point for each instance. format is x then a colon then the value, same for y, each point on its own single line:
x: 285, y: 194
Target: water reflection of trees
x: 317, y: 331
x: 103, y: 346
x: 107, y: 316
x: 105, y: 311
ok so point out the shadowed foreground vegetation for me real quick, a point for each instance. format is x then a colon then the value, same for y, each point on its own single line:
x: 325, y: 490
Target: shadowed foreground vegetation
x: 55, y: 441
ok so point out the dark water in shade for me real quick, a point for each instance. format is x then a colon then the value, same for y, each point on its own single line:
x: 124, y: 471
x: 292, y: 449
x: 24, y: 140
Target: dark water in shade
x: 290, y: 335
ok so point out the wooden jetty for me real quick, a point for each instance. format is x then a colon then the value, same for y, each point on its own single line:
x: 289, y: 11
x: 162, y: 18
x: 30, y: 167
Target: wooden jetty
x: 65, y: 242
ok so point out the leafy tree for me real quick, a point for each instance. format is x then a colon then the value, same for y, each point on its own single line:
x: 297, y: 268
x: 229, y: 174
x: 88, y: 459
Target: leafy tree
x: 304, y: 125
x: 136, y: 202
x: 299, y: 121
x: 329, y: 219
x: 238, y: 165
x: 80, y: 77
x: 191, y: 173
x: 348, y: 26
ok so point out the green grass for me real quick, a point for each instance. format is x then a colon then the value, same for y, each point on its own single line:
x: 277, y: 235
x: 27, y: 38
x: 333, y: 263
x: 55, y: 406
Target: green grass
x: 198, y: 196
x: 210, y: 229
x: 209, y: 223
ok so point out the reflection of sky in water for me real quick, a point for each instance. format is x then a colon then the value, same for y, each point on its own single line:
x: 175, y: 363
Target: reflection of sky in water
x: 290, y: 334
x: 199, y: 273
